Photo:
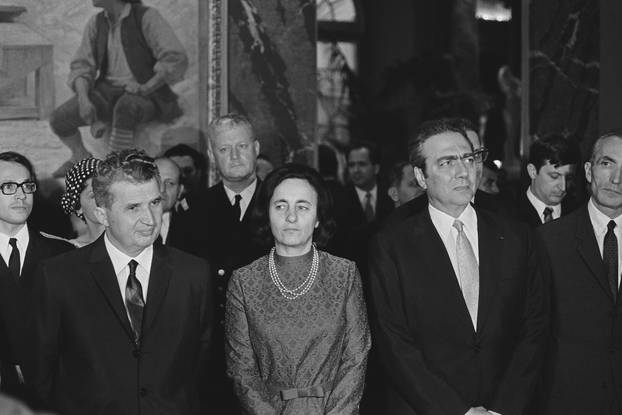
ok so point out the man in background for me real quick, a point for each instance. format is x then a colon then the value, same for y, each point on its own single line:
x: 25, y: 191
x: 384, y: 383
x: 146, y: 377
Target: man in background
x: 403, y: 185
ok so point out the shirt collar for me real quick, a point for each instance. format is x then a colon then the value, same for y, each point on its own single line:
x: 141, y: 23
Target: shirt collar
x: 247, y: 193
x: 600, y: 220
x: 444, y: 223
x: 539, y: 206
x: 362, y: 193
x: 22, y: 236
x: 120, y: 259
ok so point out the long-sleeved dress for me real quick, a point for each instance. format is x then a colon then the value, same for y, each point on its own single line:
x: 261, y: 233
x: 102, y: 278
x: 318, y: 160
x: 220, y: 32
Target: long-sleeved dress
x: 303, y: 356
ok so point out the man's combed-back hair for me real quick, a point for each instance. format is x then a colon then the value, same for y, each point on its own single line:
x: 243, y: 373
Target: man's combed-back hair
x: 133, y: 166
x: 227, y: 122
x: 429, y: 129
x: 556, y: 149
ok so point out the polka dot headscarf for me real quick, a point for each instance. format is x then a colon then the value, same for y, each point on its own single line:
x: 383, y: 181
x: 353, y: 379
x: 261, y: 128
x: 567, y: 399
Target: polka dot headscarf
x: 74, y: 184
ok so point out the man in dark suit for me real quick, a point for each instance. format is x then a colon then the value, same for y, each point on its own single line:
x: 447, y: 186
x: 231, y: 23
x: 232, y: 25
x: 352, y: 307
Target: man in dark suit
x: 551, y: 167
x: 584, y: 369
x: 461, y: 313
x: 233, y: 148
x: 123, y: 326
x: 21, y: 249
x: 182, y: 228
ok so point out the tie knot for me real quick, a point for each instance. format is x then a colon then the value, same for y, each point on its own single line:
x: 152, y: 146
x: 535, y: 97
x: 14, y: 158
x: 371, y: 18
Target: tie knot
x: 133, y: 264
x: 548, y: 210
x: 458, y: 225
x: 238, y: 198
x: 13, y: 242
x: 611, y: 225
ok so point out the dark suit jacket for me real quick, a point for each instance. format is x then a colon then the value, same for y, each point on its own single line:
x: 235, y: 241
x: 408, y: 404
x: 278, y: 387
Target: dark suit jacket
x: 584, y: 367
x: 188, y: 231
x: 87, y: 362
x: 15, y: 313
x: 525, y: 212
x: 434, y: 361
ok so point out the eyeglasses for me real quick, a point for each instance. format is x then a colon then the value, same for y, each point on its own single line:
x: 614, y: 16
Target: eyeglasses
x: 481, y: 154
x: 10, y: 188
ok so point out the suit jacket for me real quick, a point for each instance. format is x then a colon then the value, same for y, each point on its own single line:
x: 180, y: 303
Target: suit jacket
x: 87, y: 361
x: 188, y: 231
x: 15, y: 313
x: 525, y: 212
x: 584, y: 367
x: 435, y: 362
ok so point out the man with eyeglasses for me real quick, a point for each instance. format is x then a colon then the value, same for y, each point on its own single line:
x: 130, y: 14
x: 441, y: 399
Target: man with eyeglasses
x: 461, y: 317
x: 21, y: 249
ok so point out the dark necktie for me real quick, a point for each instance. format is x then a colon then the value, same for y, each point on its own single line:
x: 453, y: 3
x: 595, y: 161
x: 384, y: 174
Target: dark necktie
x: 610, y: 257
x: 548, y: 214
x: 369, y: 209
x: 134, y: 301
x: 237, y: 209
x: 14, y: 262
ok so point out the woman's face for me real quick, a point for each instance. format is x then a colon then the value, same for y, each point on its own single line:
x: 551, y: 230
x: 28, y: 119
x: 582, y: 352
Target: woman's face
x: 87, y: 202
x: 293, y: 216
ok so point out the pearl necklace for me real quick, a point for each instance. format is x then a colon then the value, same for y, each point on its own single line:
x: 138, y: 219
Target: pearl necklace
x: 302, y: 288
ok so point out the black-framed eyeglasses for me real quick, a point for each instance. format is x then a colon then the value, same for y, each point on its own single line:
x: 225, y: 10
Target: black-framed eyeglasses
x: 10, y: 188
x: 481, y: 154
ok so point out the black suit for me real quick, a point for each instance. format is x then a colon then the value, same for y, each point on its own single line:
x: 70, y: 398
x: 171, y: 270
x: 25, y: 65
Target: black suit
x: 526, y: 212
x: 584, y: 368
x: 87, y: 362
x: 188, y: 231
x: 434, y: 361
x: 15, y: 313
x: 230, y: 246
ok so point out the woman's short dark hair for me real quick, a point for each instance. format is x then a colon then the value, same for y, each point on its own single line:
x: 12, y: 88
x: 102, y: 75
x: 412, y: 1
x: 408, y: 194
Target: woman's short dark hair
x: 261, y: 217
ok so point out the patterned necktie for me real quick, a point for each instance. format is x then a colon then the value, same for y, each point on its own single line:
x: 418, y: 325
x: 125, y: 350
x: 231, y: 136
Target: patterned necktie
x: 134, y: 301
x: 610, y: 257
x: 548, y: 214
x: 369, y: 209
x: 14, y: 261
x: 468, y: 271
x: 237, y: 209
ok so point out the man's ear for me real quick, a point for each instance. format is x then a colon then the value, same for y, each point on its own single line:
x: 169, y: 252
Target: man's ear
x: 101, y: 215
x: 180, y: 191
x: 392, y: 192
x: 376, y: 169
x: 257, y: 146
x: 588, y: 171
x: 210, y: 153
x: 532, y: 171
x: 421, y: 181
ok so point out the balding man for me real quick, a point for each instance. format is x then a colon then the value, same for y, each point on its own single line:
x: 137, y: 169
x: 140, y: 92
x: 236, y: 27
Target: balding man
x: 181, y: 229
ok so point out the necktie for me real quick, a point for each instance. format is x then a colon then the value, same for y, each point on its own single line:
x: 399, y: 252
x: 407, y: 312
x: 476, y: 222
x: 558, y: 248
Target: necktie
x: 468, y: 271
x: 548, y: 214
x: 610, y: 257
x: 134, y: 301
x: 14, y: 261
x: 369, y: 209
x: 237, y: 209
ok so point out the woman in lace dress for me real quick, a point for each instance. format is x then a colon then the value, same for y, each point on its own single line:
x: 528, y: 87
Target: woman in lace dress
x: 297, y: 335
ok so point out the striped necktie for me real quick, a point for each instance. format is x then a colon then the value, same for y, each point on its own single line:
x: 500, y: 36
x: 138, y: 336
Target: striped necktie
x: 134, y: 301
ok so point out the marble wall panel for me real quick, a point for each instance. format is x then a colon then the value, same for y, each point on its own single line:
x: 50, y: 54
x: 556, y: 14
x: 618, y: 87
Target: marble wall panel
x: 564, y: 59
x: 272, y: 73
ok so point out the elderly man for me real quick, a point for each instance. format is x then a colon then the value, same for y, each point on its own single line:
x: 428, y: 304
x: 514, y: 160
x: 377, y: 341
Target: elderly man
x: 584, y: 370
x: 120, y: 74
x: 551, y: 167
x: 182, y: 229
x: 123, y: 325
x: 21, y: 251
x: 233, y: 148
x: 461, y: 313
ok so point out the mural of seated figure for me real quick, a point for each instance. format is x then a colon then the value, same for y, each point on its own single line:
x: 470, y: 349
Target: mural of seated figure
x: 121, y: 75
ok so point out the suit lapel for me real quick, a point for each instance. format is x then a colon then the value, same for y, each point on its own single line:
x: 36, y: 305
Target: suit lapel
x: 159, y: 279
x: 103, y: 273
x: 587, y: 246
x: 439, y: 265
x: 491, y: 244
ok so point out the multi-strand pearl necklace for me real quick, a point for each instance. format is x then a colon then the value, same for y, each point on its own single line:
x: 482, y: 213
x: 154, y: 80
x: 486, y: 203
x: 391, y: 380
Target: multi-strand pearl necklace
x: 302, y: 288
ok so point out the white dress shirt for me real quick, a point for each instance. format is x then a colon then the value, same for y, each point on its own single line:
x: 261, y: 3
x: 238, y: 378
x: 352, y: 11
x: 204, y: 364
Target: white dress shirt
x: 599, y: 224
x: 247, y: 195
x: 120, y: 263
x: 166, y: 225
x: 362, y: 194
x: 23, y: 237
x: 540, y: 206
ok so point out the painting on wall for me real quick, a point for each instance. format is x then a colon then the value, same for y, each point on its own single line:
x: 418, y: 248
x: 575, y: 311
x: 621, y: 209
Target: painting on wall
x: 32, y: 85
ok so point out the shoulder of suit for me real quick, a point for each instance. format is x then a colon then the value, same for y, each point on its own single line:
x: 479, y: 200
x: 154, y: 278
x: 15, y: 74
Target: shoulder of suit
x: 565, y: 225
x: 58, y: 243
x: 182, y: 257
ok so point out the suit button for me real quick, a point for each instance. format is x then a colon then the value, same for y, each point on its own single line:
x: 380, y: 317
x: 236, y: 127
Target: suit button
x: 143, y: 392
x: 221, y: 305
x: 220, y: 288
x: 221, y: 272
x: 477, y: 348
x: 222, y: 322
x: 136, y: 353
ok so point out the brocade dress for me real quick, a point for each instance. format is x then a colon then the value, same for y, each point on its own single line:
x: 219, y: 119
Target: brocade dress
x: 305, y: 356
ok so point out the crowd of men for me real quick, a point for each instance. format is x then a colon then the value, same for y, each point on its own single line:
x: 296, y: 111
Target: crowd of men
x: 477, y: 305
